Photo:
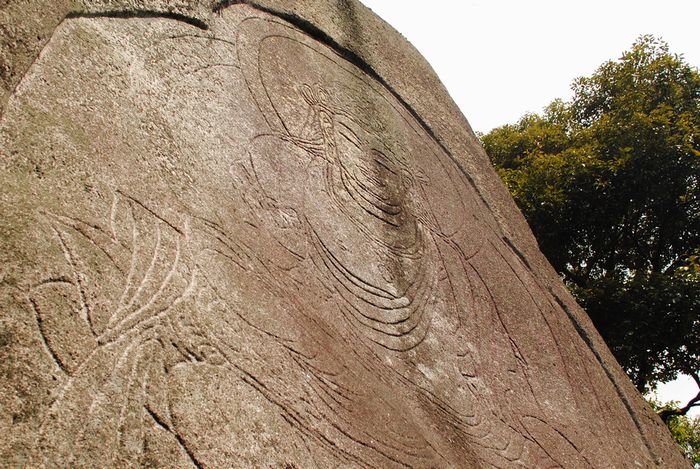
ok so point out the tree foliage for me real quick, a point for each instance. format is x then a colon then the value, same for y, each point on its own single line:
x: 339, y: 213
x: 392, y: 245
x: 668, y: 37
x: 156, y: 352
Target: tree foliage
x: 685, y: 430
x: 610, y: 184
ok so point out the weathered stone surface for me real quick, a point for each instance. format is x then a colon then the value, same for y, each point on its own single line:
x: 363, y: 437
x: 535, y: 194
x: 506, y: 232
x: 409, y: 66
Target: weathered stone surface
x: 249, y: 234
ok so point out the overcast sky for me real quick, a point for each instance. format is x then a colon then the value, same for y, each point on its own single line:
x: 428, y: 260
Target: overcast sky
x: 500, y: 59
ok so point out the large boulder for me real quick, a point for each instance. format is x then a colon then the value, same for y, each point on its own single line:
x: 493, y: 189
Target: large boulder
x: 249, y: 234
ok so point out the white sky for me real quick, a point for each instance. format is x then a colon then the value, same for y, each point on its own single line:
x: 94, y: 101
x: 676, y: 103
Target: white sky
x: 500, y: 59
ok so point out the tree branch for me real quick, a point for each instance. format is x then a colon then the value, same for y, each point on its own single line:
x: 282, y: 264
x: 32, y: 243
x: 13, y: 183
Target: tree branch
x: 666, y: 414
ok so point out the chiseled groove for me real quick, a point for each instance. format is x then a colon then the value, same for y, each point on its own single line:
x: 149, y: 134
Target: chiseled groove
x: 117, y: 316
x: 457, y: 421
x: 611, y: 376
x: 380, y: 162
x: 243, y: 258
x: 384, y: 161
x: 462, y: 422
x: 411, y: 251
x: 561, y: 434
x: 393, y: 309
x: 364, y: 287
x: 40, y: 322
x: 514, y: 346
x: 517, y: 251
x: 399, y: 329
x: 296, y: 420
x: 372, y: 447
x: 81, y: 227
x: 146, y: 313
x: 328, y: 386
x: 401, y: 343
x: 223, y: 4
x: 364, y: 196
x: 152, y: 212
x: 362, y: 294
x: 375, y: 188
x: 377, y: 200
x: 86, y: 313
x: 534, y: 301
x: 193, y: 459
x: 362, y: 201
x: 389, y: 442
x: 331, y: 404
x: 289, y: 414
x: 128, y: 14
x: 130, y: 282
x: 408, y: 322
x: 397, y: 314
x: 336, y: 396
x: 356, y: 280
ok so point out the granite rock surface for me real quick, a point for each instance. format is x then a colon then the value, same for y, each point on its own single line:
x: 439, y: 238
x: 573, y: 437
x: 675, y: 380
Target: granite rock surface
x: 260, y: 234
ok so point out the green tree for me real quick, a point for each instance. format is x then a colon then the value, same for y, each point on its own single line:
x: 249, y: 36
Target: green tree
x: 685, y: 430
x: 610, y: 184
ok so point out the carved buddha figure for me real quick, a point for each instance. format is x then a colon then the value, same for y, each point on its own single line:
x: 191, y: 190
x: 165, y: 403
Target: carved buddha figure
x: 363, y: 213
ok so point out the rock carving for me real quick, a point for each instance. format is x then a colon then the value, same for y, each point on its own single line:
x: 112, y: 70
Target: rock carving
x: 229, y: 242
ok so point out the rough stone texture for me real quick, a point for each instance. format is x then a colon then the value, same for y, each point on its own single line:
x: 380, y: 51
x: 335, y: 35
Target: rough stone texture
x: 249, y: 234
